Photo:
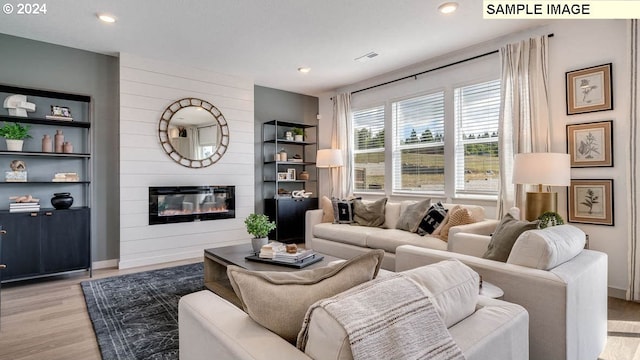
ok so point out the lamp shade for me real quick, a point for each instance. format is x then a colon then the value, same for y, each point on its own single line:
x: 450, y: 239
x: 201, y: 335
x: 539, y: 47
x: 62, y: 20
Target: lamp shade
x: 553, y: 169
x: 329, y: 158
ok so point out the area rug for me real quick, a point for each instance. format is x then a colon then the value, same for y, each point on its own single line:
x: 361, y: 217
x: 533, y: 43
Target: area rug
x: 136, y: 316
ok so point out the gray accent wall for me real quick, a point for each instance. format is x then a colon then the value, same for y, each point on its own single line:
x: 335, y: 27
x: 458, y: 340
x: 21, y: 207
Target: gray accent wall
x: 274, y: 104
x: 34, y: 64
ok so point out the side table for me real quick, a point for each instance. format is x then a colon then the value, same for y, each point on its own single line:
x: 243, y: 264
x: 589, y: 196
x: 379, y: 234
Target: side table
x: 489, y: 290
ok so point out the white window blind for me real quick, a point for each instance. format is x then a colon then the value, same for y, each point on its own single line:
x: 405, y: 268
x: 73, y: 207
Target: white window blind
x: 368, y: 130
x: 418, y: 151
x: 477, y: 110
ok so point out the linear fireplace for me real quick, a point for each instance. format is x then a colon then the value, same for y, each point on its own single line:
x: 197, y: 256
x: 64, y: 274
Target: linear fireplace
x: 173, y: 204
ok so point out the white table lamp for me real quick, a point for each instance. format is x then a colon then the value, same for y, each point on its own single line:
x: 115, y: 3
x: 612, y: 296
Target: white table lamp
x: 329, y: 159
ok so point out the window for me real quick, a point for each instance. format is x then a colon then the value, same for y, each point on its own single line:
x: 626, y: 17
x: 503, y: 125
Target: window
x: 477, y: 109
x: 368, y: 130
x: 418, y: 149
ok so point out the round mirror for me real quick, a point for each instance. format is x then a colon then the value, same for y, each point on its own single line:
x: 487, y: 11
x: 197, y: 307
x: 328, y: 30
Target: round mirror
x: 194, y: 133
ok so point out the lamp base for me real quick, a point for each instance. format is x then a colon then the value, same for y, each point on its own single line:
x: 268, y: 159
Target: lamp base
x: 540, y: 202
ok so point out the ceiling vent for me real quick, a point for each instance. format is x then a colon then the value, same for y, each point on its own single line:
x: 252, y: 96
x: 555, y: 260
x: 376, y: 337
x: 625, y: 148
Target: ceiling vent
x: 366, y: 57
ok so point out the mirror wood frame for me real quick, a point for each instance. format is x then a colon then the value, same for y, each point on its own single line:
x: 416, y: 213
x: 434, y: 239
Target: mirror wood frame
x: 163, y: 133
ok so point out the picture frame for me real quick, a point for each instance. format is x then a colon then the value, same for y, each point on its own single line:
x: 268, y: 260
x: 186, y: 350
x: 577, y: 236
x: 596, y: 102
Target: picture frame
x: 283, y: 176
x: 291, y: 174
x: 591, y: 201
x: 590, y: 144
x: 589, y: 89
x: 61, y: 111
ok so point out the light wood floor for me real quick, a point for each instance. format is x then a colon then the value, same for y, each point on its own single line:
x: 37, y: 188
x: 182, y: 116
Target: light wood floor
x: 49, y: 320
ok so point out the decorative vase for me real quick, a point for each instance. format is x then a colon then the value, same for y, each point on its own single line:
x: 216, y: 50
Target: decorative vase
x: 46, y: 144
x: 67, y: 147
x: 14, y: 145
x: 283, y: 155
x: 59, y: 140
x: 62, y: 201
x: 298, y: 137
x: 258, y: 243
x: 304, y: 175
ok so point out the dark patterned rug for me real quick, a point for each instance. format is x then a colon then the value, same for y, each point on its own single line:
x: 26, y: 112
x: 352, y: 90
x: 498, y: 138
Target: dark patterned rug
x: 136, y: 316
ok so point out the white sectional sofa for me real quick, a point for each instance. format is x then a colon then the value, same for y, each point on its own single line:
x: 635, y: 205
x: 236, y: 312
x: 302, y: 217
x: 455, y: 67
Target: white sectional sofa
x: 347, y: 240
x: 562, y: 286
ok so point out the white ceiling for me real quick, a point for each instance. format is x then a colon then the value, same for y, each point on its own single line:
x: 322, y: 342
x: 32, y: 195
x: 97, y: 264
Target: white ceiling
x: 267, y: 40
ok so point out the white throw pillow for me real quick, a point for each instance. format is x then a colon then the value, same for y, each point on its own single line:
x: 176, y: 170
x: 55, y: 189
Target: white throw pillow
x: 454, y: 288
x: 547, y: 248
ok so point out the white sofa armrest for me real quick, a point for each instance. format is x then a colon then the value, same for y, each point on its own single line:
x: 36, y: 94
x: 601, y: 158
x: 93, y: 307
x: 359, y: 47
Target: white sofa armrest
x: 567, y: 306
x: 469, y: 244
x: 484, y: 227
x: 311, y: 218
x: 211, y: 327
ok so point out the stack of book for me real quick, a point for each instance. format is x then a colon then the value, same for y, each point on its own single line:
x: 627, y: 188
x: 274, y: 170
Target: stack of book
x: 269, y: 251
x: 24, y: 207
x: 66, y: 177
x: 293, y: 258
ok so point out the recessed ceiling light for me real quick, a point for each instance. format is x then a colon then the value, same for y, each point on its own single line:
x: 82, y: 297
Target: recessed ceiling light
x: 448, y: 7
x: 106, y: 18
x: 304, y: 69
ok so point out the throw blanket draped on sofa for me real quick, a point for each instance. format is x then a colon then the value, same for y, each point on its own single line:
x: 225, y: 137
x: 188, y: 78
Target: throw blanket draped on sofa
x: 388, y: 318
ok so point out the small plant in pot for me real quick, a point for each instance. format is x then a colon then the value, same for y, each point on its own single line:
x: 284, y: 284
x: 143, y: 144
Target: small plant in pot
x: 298, y: 134
x: 549, y: 218
x: 259, y: 226
x: 15, y: 134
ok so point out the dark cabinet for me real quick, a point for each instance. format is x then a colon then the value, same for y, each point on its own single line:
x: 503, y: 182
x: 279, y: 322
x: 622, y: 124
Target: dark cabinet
x: 45, y: 242
x: 289, y: 215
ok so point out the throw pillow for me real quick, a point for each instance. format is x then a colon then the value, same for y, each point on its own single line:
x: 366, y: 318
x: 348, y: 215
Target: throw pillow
x: 327, y: 209
x: 411, y: 216
x: 369, y: 214
x: 342, y: 211
x: 505, y: 236
x: 460, y: 217
x: 278, y: 300
x: 444, y: 222
x: 435, y: 215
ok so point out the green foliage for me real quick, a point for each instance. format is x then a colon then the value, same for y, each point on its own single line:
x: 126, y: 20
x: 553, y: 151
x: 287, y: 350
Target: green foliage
x: 297, y: 131
x: 259, y: 225
x: 550, y: 218
x: 590, y: 199
x: 15, y: 131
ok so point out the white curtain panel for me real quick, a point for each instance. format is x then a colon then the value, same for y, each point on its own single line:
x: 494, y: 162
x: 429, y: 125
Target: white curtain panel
x: 342, y: 138
x: 633, y: 289
x: 524, y: 112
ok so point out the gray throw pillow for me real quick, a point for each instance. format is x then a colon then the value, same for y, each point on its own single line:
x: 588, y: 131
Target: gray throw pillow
x: 412, y: 215
x: 278, y: 300
x: 369, y: 214
x: 435, y: 215
x: 505, y: 236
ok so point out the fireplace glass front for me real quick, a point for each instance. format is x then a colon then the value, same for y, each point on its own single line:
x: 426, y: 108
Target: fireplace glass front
x: 172, y: 204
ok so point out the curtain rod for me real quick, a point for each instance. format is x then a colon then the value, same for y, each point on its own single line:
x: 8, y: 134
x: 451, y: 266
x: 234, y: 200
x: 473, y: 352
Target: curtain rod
x: 430, y: 70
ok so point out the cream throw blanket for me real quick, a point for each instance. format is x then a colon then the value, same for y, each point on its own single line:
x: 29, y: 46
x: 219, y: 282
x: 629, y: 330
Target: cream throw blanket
x: 388, y: 318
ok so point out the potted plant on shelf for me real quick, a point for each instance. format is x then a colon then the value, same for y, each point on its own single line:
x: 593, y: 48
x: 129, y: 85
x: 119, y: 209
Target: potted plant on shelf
x: 298, y: 134
x: 15, y: 134
x: 259, y: 226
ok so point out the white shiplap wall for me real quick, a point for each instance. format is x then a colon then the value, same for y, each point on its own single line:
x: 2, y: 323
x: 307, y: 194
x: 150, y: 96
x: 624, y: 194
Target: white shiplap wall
x: 147, y: 87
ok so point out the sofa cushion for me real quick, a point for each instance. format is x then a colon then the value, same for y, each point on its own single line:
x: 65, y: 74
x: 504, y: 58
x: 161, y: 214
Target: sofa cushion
x: 477, y: 212
x: 547, y: 248
x: 343, y: 211
x: 327, y: 210
x: 444, y: 222
x: 435, y: 215
x: 279, y: 300
x: 454, y: 288
x: 369, y: 213
x: 505, y: 236
x: 412, y: 214
x: 460, y: 216
x: 389, y: 239
x: 345, y: 233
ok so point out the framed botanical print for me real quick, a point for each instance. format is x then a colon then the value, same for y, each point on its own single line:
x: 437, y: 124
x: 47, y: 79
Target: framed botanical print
x: 589, y: 90
x: 591, y: 201
x: 590, y: 144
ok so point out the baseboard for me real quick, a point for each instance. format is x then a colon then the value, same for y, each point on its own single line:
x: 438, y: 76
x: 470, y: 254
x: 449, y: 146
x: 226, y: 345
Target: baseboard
x: 617, y: 293
x: 105, y: 264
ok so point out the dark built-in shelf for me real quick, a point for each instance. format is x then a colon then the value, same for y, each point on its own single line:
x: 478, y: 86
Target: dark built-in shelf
x: 41, y: 121
x: 290, y: 181
x: 42, y: 182
x: 289, y: 124
x: 45, y: 154
x: 44, y: 93
x: 283, y: 141
x: 43, y: 210
x: 290, y: 162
